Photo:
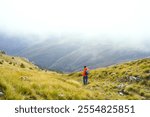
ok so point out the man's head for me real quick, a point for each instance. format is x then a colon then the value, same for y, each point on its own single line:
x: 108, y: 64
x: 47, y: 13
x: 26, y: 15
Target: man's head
x: 84, y: 66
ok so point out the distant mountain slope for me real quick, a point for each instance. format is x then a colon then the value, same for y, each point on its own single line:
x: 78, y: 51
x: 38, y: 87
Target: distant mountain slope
x: 71, y: 54
x: 20, y: 79
x: 15, y: 44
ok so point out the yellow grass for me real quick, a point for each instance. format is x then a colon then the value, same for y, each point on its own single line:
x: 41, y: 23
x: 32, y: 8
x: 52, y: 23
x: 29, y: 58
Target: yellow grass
x: 27, y: 83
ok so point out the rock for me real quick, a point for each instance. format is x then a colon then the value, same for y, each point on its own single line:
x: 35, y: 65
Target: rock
x: 121, y: 89
x: 133, y: 78
x: 121, y: 93
x: 1, y: 93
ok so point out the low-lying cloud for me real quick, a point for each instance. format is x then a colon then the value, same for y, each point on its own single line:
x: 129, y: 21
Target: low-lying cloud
x: 123, y: 23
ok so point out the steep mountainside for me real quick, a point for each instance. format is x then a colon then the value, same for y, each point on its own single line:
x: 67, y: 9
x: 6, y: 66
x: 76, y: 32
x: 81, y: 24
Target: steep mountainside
x: 20, y: 79
x: 71, y: 54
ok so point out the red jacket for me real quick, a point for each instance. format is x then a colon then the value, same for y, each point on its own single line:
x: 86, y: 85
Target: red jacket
x: 84, y: 72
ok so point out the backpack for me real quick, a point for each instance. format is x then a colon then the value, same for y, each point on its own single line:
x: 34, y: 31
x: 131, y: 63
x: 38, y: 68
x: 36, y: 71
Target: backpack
x: 86, y: 73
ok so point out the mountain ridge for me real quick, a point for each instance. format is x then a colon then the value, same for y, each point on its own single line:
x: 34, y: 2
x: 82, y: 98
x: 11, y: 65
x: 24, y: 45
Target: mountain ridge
x: 71, y: 54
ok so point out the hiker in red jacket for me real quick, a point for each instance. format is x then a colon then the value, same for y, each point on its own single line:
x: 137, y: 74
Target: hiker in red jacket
x: 85, y: 75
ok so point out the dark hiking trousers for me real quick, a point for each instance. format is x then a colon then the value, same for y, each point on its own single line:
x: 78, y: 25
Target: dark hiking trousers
x: 85, y: 80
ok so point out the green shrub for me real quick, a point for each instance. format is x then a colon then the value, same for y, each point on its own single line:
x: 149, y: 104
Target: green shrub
x: 143, y: 82
x: 31, y: 68
x: 1, y: 62
x: 2, y: 52
x: 142, y: 92
x: 146, y: 71
x: 22, y: 65
x: 129, y: 89
x: 147, y: 76
x: 10, y: 63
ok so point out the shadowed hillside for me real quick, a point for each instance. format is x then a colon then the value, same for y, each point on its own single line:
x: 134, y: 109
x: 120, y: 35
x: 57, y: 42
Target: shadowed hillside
x: 20, y: 79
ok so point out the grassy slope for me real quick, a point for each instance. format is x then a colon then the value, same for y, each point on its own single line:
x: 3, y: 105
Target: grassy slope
x: 17, y: 82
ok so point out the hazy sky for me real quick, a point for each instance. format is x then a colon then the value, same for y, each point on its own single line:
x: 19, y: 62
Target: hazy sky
x: 116, y: 19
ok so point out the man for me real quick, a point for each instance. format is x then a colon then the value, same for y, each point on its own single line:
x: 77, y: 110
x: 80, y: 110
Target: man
x: 85, y: 75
